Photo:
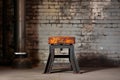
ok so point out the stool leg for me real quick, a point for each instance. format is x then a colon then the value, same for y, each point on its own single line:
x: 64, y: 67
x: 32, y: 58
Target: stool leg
x: 48, y: 64
x: 70, y: 62
x: 50, y: 60
x: 73, y: 60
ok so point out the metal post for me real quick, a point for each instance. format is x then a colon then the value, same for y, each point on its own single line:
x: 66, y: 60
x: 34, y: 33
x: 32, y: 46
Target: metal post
x: 20, y: 37
x: 20, y: 25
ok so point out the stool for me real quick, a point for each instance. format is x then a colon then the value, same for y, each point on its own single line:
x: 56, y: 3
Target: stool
x: 71, y: 56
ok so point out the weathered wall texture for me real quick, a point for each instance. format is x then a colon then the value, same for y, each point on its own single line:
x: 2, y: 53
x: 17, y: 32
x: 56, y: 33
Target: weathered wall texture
x: 94, y: 23
x: 0, y: 26
x: 6, y: 31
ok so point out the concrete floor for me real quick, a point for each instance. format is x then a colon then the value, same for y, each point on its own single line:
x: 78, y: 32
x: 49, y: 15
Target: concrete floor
x: 37, y: 74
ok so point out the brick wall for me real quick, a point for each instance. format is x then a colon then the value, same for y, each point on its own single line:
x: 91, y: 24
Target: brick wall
x: 94, y: 23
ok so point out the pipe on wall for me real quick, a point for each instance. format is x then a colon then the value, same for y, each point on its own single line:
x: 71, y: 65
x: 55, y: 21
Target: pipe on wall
x: 20, y: 25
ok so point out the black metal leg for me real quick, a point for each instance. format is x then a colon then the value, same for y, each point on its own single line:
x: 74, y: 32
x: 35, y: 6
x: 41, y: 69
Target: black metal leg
x: 52, y: 58
x: 71, y: 68
x: 49, y: 61
x: 73, y: 60
x: 48, y: 64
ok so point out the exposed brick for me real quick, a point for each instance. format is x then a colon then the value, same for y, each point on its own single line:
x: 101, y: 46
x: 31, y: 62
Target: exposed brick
x: 94, y: 23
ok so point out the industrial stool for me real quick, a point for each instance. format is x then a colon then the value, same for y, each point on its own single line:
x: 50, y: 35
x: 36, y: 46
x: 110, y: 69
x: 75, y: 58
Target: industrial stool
x: 61, y: 42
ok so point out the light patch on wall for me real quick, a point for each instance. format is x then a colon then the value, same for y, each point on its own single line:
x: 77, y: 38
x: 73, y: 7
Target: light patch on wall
x: 97, y: 11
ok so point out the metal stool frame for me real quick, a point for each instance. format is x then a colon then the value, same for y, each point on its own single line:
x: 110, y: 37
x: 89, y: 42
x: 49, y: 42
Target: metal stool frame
x: 71, y: 56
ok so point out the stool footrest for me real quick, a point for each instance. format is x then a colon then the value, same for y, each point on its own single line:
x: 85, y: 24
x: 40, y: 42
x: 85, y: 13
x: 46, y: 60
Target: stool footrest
x: 61, y: 56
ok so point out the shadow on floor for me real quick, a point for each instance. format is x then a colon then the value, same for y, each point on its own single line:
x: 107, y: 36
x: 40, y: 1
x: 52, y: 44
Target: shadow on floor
x: 82, y: 69
x: 92, y: 69
x: 57, y: 69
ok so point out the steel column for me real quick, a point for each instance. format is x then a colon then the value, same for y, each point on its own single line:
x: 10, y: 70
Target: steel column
x: 20, y: 25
